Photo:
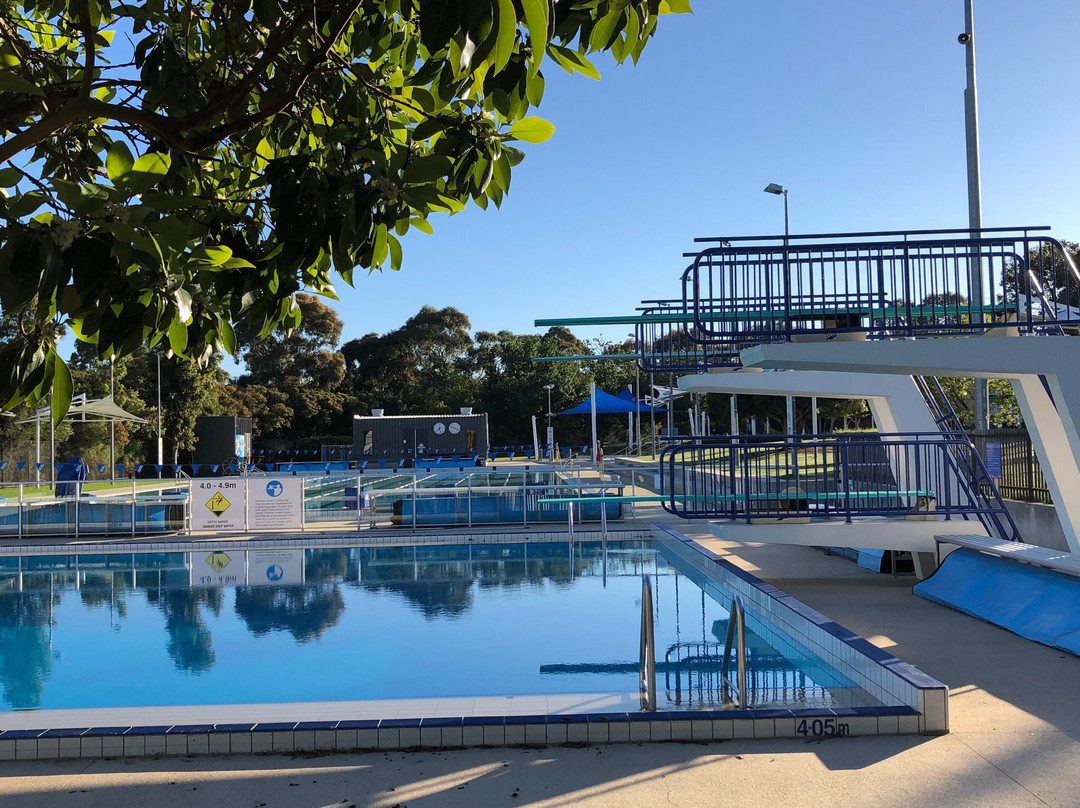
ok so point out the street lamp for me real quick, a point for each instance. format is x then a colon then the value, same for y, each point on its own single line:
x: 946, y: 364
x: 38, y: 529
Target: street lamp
x: 550, y: 430
x: 779, y: 190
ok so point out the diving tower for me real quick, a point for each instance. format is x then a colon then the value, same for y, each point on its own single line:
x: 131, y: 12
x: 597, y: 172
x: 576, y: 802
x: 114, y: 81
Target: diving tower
x: 868, y: 315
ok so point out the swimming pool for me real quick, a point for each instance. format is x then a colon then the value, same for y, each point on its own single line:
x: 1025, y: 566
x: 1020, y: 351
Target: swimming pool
x: 302, y: 624
x: 811, y: 677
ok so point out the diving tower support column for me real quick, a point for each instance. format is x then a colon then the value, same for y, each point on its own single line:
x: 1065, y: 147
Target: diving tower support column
x: 1044, y: 372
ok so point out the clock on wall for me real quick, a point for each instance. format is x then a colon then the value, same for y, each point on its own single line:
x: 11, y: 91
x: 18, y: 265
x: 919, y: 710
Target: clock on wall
x: 455, y: 427
x: 440, y: 427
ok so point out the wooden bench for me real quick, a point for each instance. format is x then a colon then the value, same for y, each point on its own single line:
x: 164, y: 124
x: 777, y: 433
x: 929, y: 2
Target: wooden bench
x: 1059, y: 560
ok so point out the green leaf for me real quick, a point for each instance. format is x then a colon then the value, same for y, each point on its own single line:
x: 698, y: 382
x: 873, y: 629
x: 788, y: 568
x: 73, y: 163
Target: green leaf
x: 573, y: 62
x: 147, y: 171
x: 395, y: 252
x: 152, y: 163
x: 62, y: 386
x: 537, y: 22
x: 532, y: 130
x: 14, y: 83
x: 605, y: 31
x: 265, y: 152
x: 178, y: 338
x: 675, y: 7
x: 215, y: 256
x: 426, y: 169
x: 119, y: 161
x: 423, y: 225
x: 505, y: 30
x: 9, y: 177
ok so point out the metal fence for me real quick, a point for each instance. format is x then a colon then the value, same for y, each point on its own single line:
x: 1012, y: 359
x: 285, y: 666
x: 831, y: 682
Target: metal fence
x: 910, y: 475
x: 1010, y: 459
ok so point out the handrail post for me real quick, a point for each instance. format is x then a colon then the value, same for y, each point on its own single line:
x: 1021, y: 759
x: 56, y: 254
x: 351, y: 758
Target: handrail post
x: 647, y: 666
x: 736, y: 631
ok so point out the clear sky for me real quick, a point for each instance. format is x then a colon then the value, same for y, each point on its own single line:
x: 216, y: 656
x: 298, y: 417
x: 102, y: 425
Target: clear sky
x: 856, y: 107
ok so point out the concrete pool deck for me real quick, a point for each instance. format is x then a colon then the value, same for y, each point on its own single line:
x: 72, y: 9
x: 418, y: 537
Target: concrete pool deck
x: 1015, y: 726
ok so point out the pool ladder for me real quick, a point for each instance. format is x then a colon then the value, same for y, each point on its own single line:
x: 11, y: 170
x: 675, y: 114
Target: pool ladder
x: 736, y: 630
x: 647, y: 659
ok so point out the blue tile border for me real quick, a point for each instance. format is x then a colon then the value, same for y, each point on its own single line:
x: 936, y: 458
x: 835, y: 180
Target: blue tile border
x: 688, y: 550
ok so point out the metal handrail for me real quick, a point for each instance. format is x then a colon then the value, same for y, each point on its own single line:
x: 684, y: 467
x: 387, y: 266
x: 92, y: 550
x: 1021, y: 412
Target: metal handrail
x: 647, y: 659
x: 838, y: 476
x: 736, y: 630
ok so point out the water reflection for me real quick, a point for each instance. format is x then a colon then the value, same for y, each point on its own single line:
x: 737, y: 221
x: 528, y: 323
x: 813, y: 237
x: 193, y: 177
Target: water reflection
x: 305, y: 612
x: 25, y: 647
x: 189, y: 642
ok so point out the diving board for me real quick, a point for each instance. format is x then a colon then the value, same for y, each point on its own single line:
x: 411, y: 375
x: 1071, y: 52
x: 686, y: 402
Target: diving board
x: 915, y: 535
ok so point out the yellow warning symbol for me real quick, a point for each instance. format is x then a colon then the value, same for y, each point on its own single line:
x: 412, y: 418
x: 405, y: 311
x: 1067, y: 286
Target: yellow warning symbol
x: 218, y: 504
x: 218, y: 561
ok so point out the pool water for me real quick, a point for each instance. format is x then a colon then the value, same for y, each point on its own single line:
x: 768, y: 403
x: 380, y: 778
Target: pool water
x: 344, y: 624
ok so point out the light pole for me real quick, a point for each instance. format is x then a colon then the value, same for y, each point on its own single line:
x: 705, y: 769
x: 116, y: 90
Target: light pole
x: 550, y: 430
x: 974, y: 188
x: 779, y: 190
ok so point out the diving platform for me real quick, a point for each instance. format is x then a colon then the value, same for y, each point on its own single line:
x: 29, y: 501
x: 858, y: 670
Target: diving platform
x: 1044, y: 372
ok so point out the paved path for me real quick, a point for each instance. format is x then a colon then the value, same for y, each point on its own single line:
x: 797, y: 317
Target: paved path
x: 1014, y: 711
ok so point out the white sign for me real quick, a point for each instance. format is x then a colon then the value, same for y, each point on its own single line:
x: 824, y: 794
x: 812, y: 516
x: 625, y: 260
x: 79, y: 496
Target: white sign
x: 270, y: 567
x: 276, y: 503
x: 217, y: 505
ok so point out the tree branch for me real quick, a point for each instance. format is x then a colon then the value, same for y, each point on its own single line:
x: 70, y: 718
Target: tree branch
x: 290, y: 96
x: 238, y: 92
x: 90, y: 45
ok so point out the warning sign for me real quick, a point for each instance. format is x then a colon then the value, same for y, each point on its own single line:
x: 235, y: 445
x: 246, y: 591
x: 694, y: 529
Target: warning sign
x: 218, y: 569
x: 218, y: 561
x: 218, y: 504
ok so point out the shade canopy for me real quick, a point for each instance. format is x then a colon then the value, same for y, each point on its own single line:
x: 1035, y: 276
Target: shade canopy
x: 88, y: 409
x: 607, y: 403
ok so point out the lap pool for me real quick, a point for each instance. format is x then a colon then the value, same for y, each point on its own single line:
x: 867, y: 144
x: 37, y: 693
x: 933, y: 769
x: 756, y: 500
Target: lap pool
x: 445, y: 629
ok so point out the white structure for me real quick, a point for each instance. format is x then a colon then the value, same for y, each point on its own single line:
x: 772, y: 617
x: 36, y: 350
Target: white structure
x: 1044, y: 372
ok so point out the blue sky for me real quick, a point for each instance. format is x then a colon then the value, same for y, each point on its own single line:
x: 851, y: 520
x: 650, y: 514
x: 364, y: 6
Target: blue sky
x: 856, y: 107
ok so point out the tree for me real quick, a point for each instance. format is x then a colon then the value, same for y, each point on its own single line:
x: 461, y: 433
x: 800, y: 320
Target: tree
x: 304, y: 365
x: 422, y: 367
x: 174, y: 168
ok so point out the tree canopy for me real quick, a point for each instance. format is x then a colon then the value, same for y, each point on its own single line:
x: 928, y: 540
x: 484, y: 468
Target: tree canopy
x: 173, y: 168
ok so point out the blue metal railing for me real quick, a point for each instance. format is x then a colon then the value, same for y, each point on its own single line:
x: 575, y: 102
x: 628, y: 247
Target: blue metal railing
x: 880, y: 285
x: 836, y: 476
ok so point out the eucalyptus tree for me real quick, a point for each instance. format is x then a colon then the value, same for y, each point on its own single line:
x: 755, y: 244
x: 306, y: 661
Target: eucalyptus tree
x: 172, y: 168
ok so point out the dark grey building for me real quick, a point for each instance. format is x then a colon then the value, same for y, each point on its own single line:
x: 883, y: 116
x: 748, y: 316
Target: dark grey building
x: 219, y: 438
x: 421, y: 436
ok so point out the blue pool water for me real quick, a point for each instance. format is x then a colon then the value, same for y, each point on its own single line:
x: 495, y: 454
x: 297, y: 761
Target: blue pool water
x: 344, y: 624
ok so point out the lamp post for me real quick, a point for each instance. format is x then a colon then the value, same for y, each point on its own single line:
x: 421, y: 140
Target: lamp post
x: 550, y: 430
x: 779, y: 190
x: 974, y: 188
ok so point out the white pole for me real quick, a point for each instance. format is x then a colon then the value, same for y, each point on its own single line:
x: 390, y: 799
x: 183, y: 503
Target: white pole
x: 637, y: 399
x: 734, y: 415
x: 592, y: 406
x: 536, y: 440
x: 160, y: 443
x: 814, y: 415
